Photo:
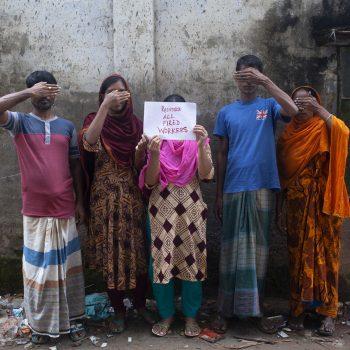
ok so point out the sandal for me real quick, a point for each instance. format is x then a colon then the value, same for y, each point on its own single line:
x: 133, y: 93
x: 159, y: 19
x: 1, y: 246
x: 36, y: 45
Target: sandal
x: 296, y: 323
x: 147, y: 315
x: 77, y: 332
x: 219, y: 325
x: 192, y: 328
x: 264, y: 325
x: 162, y: 328
x: 38, y: 339
x: 117, y: 324
x: 327, y: 327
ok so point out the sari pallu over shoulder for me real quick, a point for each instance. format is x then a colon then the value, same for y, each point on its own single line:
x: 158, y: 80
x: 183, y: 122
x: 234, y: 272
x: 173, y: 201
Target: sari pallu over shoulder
x: 298, y: 145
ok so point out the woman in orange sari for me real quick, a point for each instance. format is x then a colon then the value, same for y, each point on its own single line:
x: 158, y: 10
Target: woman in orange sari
x: 312, y: 154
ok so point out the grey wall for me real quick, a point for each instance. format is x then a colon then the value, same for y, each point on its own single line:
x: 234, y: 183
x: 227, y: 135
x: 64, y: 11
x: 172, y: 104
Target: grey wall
x: 161, y: 46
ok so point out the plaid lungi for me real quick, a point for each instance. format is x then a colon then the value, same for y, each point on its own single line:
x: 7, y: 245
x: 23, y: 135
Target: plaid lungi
x: 244, y: 252
x: 52, y: 275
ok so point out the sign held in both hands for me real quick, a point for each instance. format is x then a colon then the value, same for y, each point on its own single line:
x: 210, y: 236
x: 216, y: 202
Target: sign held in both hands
x: 170, y: 120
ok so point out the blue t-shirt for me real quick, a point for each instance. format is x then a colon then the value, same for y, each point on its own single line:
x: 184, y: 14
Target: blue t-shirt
x: 250, y: 130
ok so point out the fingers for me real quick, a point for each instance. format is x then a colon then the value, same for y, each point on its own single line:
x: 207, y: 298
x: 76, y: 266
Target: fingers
x: 142, y: 143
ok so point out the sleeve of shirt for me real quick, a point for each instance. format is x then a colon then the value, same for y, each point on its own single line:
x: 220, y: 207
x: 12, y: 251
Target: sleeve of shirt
x: 13, y: 123
x: 276, y: 110
x: 73, y: 145
x: 220, y: 127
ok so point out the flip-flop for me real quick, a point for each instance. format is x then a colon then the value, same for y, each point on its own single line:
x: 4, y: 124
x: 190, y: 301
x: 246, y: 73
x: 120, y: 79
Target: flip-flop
x: 38, y: 339
x: 162, y: 328
x: 324, y: 328
x: 192, y: 328
x: 296, y: 323
x: 264, y: 325
x: 219, y: 325
x: 77, y: 332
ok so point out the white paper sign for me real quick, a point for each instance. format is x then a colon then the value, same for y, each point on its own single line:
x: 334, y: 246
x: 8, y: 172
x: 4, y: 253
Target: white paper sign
x: 170, y: 120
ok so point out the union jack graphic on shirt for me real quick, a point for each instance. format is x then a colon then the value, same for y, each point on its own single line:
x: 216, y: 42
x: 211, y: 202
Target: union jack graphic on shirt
x: 261, y: 114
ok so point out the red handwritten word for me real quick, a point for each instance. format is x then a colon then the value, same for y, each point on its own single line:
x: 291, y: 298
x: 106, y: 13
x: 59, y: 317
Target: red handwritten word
x: 170, y: 109
x: 172, y: 130
x: 171, y: 122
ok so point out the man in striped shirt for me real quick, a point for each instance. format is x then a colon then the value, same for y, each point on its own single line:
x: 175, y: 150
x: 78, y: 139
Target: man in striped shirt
x: 48, y: 158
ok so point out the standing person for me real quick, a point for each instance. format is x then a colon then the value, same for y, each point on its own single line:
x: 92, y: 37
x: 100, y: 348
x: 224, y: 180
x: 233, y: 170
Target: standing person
x: 178, y: 218
x: 48, y: 157
x: 312, y: 153
x: 116, y: 244
x: 246, y: 178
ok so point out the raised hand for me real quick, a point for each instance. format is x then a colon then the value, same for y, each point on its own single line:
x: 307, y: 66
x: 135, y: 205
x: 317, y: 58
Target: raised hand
x: 250, y: 75
x: 201, y: 135
x: 307, y: 103
x: 142, y: 145
x: 154, y: 145
x: 43, y: 89
x: 116, y: 97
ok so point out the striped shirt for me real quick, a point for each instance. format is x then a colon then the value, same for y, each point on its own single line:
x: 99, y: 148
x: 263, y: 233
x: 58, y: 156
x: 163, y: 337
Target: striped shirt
x: 44, y: 148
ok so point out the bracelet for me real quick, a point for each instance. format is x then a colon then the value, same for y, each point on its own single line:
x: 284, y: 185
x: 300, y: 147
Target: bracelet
x: 331, y: 115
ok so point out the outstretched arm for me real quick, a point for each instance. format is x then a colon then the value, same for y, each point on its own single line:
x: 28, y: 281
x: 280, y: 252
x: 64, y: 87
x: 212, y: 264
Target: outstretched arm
x: 9, y: 101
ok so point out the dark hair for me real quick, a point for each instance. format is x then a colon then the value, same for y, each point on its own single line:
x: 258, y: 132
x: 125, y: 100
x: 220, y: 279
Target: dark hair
x: 310, y: 90
x: 249, y: 61
x: 39, y: 76
x: 174, y: 98
x: 110, y: 81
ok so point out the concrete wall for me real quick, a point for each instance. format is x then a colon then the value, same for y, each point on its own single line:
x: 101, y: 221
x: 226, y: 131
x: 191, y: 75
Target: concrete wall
x: 185, y: 46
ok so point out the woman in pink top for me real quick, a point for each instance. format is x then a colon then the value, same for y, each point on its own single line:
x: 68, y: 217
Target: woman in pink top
x: 178, y: 217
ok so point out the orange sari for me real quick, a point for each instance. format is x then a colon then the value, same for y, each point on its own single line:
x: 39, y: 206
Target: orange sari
x: 312, y: 162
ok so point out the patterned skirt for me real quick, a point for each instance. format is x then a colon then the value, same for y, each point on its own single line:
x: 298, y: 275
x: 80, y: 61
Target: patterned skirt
x: 178, y: 218
x: 244, y: 252
x: 52, y: 275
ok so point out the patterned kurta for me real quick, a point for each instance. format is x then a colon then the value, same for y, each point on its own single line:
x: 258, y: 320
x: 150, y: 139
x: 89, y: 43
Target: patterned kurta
x: 178, y: 228
x: 313, y: 242
x: 116, y: 243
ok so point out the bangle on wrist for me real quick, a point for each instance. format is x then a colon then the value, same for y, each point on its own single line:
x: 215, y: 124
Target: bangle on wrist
x: 331, y: 115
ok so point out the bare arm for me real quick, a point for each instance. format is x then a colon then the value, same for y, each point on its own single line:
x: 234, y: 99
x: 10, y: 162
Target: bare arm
x: 205, y: 163
x: 140, y: 153
x: 253, y: 76
x: 288, y: 106
x: 221, y: 162
x: 152, y: 172
x: 77, y: 175
x: 94, y: 131
x: 7, y: 102
x: 310, y: 103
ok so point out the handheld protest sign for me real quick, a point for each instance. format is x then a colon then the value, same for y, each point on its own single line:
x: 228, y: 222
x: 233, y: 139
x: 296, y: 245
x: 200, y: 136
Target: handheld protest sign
x: 170, y: 120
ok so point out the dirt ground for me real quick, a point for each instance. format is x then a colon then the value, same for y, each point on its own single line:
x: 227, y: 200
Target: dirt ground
x: 138, y: 335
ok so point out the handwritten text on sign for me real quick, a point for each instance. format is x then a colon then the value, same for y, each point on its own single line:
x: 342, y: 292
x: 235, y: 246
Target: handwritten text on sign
x: 170, y: 120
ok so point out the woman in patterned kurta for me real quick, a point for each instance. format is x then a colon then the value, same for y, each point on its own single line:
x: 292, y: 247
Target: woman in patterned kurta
x: 312, y: 155
x: 178, y: 217
x: 116, y: 239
